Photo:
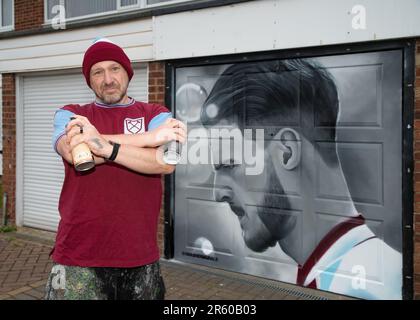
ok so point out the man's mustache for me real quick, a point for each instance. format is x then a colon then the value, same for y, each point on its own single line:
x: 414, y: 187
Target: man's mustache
x: 112, y: 86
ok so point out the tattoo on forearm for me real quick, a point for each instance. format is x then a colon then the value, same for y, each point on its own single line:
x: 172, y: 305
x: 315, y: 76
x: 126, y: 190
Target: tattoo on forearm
x: 98, y: 143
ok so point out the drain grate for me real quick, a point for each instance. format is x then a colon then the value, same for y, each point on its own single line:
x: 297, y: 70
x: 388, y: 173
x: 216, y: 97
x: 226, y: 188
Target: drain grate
x: 259, y: 283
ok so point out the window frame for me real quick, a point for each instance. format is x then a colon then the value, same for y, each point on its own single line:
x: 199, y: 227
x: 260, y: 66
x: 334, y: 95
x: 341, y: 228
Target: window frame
x: 9, y: 27
x: 130, y: 7
x: 169, y: 2
x: 141, y: 5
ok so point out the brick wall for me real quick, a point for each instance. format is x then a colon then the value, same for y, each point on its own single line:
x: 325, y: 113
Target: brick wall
x: 9, y: 144
x: 29, y: 14
x: 417, y: 178
x: 157, y: 82
x: 157, y: 95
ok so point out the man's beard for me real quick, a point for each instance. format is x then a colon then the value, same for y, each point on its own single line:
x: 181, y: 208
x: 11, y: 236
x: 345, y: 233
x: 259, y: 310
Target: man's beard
x: 114, y: 97
x: 257, y: 237
x: 275, y: 216
x: 274, y: 225
x: 280, y: 219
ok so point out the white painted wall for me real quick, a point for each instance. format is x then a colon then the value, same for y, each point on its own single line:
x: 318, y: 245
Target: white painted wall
x: 65, y: 49
x: 279, y: 24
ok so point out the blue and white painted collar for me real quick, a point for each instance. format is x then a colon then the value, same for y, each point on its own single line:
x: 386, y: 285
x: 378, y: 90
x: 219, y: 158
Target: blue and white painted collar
x: 117, y: 105
x: 330, y: 260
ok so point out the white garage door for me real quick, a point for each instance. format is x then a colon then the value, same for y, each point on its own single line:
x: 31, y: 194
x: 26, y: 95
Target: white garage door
x: 42, y: 171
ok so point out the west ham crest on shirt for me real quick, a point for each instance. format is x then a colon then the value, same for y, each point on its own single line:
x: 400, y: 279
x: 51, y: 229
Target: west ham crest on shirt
x: 133, y: 126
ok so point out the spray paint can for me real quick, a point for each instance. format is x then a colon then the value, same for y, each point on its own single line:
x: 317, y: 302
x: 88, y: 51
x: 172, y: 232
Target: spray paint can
x: 82, y: 156
x: 172, y: 152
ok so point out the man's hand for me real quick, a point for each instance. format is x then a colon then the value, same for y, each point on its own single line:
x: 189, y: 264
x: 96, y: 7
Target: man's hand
x: 172, y: 129
x: 81, y: 130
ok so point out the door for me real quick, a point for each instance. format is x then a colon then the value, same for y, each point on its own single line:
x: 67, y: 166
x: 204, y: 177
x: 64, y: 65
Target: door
x: 293, y: 171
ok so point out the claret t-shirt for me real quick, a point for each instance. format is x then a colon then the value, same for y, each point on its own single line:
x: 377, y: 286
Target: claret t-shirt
x: 109, y: 214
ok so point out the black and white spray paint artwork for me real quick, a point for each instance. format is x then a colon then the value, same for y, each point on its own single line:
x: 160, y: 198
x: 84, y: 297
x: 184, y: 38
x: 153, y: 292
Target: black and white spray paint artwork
x: 293, y: 171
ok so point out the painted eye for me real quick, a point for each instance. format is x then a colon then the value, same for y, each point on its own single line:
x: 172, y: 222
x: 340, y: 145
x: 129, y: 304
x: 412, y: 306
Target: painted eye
x: 228, y: 165
x: 231, y: 164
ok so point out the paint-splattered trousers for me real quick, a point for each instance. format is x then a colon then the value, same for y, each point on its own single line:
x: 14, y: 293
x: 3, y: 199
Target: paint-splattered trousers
x: 79, y: 283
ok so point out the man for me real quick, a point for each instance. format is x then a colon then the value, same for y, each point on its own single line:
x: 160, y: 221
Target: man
x: 106, y: 245
x: 289, y: 99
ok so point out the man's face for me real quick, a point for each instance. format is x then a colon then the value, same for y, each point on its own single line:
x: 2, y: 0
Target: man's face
x: 109, y: 81
x: 247, y: 197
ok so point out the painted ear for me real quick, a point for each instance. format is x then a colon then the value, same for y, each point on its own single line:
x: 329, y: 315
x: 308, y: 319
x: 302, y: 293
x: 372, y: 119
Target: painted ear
x: 290, y: 145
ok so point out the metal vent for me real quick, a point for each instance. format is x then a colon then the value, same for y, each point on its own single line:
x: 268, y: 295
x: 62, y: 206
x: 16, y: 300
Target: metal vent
x: 246, y: 279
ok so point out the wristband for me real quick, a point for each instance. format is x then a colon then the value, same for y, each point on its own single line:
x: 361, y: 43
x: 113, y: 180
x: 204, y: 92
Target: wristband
x: 115, y: 148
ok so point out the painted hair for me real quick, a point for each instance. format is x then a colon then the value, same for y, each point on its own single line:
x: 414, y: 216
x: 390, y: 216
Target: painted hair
x: 278, y: 93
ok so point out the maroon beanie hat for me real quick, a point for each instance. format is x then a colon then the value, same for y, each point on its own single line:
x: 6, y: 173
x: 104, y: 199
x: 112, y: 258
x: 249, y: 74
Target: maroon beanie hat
x: 104, y: 50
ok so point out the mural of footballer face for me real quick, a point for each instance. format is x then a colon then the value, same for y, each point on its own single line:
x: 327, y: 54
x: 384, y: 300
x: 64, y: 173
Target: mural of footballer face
x: 276, y: 96
x: 301, y: 202
x: 261, y: 226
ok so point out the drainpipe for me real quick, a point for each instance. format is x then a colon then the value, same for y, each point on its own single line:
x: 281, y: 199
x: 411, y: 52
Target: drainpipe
x: 4, y: 222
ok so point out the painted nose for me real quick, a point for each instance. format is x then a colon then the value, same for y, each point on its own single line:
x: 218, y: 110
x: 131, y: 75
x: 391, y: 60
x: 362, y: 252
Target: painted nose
x: 223, y: 194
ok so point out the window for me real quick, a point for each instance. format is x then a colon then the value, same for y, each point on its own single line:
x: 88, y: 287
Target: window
x: 75, y: 9
x: 6, y: 15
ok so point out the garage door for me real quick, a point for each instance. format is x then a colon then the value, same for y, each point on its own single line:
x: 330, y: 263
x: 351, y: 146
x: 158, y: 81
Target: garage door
x: 330, y: 149
x: 42, y: 169
x: 1, y: 123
